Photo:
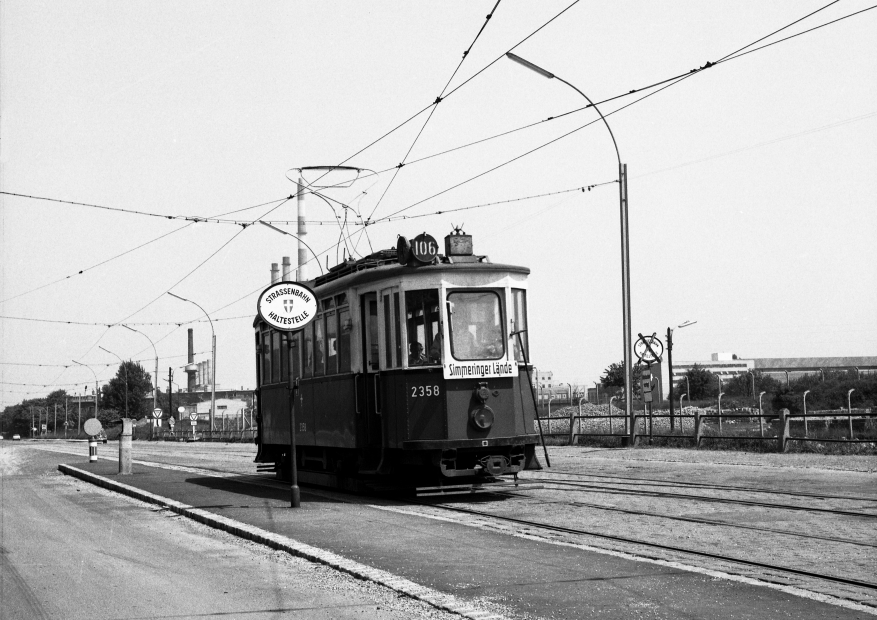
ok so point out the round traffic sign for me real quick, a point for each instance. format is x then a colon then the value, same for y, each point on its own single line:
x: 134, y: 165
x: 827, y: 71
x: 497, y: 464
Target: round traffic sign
x: 156, y: 413
x: 648, y: 349
x: 193, y: 416
x: 181, y: 410
x: 92, y: 426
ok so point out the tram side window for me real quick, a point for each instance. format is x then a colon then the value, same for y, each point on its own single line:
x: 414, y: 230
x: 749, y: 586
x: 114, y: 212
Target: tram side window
x: 519, y: 301
x: 397, y: 324
x: 475, y: 325
x: 275, y: 357
x: 265, y: 354
x: 422, y: 325
x: 346, y: 326
x: 308, y: 361
x: 260, y: 375
x: 294, y: 356
x: 319, y: 347
x: 331, y: 343
x: 284, y: 356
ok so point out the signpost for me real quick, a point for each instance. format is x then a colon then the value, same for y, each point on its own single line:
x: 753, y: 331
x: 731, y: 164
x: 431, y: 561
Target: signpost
x: 289, y: 307
x: 92, y: 428
x: 649, y: 350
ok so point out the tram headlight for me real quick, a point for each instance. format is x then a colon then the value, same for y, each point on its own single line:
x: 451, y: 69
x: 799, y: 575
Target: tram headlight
x: 482, y: 392
x: 481, y: 418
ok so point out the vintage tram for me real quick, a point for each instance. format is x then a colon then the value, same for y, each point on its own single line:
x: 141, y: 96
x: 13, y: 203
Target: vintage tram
x: 413, y: 372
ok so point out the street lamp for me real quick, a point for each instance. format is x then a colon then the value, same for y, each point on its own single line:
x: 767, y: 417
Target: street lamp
x: 212, y: 364
x: 720, y: 408
x: 96, y: 391
x: 670, y: 365
x: 125, y: 366
x: 625, y: 251
x: 805, y: 411
x: 850, y: 412
x: 682, y: 411
x: 760, y: 414
x: 610, y: 413
x: 155, y: 378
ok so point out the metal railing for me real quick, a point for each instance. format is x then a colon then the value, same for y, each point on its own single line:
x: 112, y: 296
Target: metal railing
x: 571, y: 426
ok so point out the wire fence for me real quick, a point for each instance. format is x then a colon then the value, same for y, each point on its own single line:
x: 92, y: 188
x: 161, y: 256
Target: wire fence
x: 854, y: 426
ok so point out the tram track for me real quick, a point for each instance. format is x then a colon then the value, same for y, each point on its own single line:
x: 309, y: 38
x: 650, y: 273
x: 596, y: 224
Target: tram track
x: 654, y: 545
x: 595, y: 488
x: 642, y: 513
x: 718, y: 487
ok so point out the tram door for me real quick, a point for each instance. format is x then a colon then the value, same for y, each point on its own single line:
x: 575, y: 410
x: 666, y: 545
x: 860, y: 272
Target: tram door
x: 369, y: 395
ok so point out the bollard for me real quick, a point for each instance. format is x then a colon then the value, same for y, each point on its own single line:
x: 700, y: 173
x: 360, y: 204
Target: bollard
x: 634, y: 438
x: 125, y: 440
x: 698, y: 429
x: 92, y: 449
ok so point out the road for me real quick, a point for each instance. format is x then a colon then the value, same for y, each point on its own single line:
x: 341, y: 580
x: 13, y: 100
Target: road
x: 70, y: 551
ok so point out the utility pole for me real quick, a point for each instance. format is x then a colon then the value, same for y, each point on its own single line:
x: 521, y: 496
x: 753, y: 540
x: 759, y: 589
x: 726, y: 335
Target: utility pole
x: 670, y: 375
x: 170, y: 392
x: 55, y: 422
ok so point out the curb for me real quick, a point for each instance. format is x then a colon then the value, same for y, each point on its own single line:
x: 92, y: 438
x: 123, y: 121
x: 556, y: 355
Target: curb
x: 445, y: 602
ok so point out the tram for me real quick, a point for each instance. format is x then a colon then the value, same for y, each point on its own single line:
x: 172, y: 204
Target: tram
x: 413, y: 371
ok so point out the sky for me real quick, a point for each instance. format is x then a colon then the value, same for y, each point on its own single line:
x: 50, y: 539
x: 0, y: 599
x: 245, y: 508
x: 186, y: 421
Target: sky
x: 751, y: 183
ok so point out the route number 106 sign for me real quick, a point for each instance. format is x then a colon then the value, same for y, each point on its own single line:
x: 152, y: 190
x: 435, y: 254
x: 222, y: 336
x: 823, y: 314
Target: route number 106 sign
x: 424, y: 248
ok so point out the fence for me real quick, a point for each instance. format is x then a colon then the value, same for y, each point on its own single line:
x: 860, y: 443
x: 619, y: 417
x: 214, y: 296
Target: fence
x: 571, y: 425
x: 188, y: 434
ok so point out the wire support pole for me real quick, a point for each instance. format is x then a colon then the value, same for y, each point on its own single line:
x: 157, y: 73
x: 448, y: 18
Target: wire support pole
x: 625, y: 236
x: 125, y: 366
x: 154, y: 350
x: 212, y: 363
x: 95, y: 387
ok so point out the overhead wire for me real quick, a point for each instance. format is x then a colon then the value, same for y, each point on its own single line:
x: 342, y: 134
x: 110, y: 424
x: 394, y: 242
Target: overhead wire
x: 432, y: 111
x: 412, y: 117
x: 672, y: 82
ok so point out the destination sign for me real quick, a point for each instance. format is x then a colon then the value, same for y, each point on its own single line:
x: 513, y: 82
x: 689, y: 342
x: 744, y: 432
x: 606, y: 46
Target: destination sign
x: 287, y: 306
x: 480, y: 370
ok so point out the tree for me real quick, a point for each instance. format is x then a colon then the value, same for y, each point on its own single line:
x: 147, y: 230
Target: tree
x: 701, y: 383
x: 613, y: 377
x: 741, y: 385
x: 139, y: 384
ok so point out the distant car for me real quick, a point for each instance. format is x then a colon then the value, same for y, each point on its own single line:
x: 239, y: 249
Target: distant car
x: 16, y: 437
x: 102, y: 437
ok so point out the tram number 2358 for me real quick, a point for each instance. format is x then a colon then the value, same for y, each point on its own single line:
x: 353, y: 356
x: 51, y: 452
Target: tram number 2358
x: 424, y: 390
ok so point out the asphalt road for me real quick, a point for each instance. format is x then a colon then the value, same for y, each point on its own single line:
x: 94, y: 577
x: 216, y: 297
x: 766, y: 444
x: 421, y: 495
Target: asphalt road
x: 69, y: 551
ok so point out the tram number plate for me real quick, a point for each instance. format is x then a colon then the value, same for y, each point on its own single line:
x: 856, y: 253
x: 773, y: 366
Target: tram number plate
x: 302, y: 427
x: 424, y: 390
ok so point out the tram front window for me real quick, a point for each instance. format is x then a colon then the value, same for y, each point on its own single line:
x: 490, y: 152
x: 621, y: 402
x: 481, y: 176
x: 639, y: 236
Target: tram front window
x: 476, y: 325
x: 422, y: 325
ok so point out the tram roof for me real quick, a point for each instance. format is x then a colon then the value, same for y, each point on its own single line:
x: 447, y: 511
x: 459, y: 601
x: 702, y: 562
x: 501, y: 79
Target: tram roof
x: 383, y: 265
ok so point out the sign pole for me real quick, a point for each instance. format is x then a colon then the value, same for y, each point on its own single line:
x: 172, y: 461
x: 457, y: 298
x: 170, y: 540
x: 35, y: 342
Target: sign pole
x: 294, y: 492
x: 288, y: 307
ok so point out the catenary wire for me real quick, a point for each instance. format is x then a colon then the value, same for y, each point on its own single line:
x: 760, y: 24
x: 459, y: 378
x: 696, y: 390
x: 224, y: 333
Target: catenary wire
x: 432, y: 111
x: 672, y: 82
